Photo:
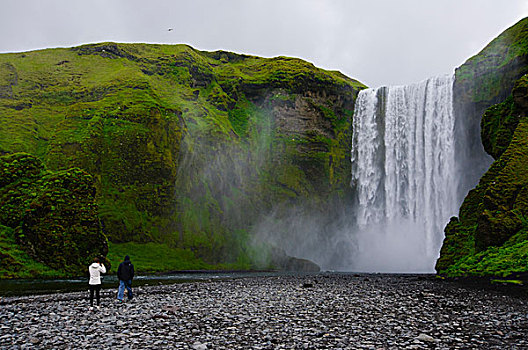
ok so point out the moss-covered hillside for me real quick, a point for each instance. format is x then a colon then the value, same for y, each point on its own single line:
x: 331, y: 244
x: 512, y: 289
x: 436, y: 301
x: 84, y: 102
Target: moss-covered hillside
x: 49, y: 222
x: 490, y: 236
x: 187, y: 149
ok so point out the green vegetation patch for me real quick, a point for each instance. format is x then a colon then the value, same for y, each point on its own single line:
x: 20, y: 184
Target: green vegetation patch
x: 16, y: 262
x: 498, y: 125
x: 158, y: 257
x: 511, y: 282
x: 154, y: 257
x: 53, y: 215
x: 502, y: 261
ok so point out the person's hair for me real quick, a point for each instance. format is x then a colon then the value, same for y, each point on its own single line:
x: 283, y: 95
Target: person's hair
x: 96, y: 259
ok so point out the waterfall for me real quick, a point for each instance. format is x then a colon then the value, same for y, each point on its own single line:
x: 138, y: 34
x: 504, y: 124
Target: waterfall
x: 403, y: 173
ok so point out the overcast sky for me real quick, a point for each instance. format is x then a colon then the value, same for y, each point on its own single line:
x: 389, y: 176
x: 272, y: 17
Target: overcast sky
x: 376, y: 42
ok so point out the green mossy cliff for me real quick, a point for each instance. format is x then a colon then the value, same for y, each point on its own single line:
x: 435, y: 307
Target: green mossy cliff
x: 490, y: 235
x: 52, y: 216
x: 187, y: 149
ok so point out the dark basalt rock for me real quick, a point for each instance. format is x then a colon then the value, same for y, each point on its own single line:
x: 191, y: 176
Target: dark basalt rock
x: 106, y: 50
x: 281, y: 261
x: 300, y: 265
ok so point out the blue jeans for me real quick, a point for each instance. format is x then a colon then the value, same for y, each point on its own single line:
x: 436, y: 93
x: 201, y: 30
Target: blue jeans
x: 121, y: 290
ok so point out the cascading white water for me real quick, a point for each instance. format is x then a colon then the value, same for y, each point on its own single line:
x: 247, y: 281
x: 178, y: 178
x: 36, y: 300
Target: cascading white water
x: 403, y: 171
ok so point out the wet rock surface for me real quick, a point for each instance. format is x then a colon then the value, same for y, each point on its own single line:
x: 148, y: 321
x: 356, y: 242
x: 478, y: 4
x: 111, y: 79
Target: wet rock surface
x: 323, y: 311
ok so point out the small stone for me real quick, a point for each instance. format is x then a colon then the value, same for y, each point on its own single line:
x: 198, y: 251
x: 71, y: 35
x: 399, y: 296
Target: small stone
x: 199, y: 346
x: 425, y: 337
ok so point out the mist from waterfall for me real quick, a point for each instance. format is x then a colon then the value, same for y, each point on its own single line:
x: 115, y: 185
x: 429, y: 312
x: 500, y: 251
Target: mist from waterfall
x: 404, y: 175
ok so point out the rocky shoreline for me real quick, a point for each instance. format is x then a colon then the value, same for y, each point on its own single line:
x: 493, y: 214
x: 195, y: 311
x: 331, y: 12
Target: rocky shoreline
x: 323, y: 311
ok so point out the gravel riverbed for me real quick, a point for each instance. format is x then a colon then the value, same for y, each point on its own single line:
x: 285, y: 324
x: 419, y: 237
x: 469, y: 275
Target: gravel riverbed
x: 324, y: 311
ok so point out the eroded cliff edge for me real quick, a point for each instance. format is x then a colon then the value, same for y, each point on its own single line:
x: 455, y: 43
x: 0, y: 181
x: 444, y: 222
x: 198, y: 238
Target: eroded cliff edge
x: 490, y: 235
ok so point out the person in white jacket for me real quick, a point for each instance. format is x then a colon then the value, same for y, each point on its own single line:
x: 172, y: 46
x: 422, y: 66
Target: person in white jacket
x: 95, y: 270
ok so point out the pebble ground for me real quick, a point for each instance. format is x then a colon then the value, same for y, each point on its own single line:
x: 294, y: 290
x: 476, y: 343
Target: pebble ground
x: 325, y: 311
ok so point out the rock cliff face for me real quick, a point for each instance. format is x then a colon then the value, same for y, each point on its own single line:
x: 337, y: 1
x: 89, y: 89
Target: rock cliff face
x: 490, y: 235
x: 186, y: 148
x: 482, y: 81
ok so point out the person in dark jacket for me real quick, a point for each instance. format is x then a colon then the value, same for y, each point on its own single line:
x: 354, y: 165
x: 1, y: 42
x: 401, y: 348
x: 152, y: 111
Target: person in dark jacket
x: 125, y: 273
